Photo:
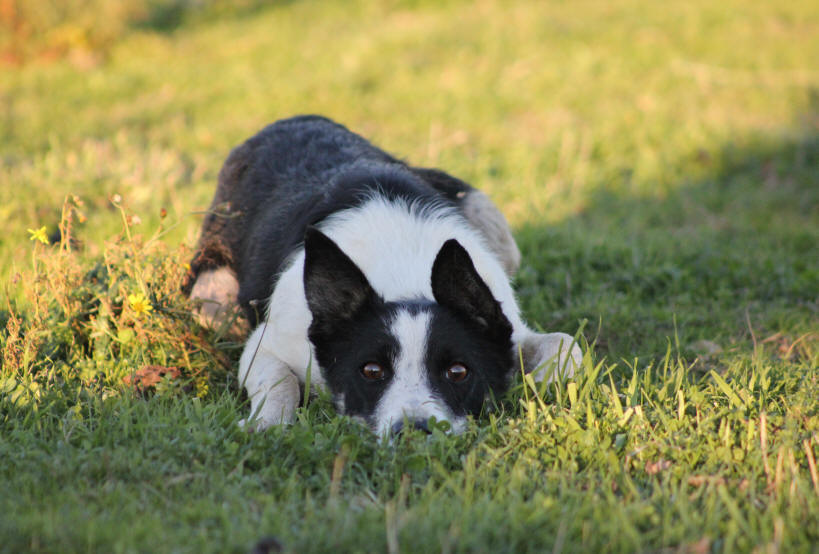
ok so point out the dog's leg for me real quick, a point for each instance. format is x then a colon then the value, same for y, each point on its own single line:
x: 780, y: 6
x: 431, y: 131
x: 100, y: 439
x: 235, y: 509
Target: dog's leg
x: 272, y: 388
x: 213, y: 273
x: 550, y: 355
x: 487, y: 219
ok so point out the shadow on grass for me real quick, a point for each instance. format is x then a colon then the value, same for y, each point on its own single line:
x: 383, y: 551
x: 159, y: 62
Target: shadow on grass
x: 731, y: 253
x: 165, y: 16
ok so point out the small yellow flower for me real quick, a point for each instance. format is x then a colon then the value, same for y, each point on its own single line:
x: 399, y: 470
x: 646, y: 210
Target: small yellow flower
x: 139, y: 303
x: 39, y: 234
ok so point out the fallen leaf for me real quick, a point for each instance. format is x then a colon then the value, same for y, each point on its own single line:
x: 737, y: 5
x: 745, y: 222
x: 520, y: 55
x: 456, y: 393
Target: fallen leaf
x: 653, y: 468
x: 702, y: 546
x: 700, y: 480
x: 150, y: 375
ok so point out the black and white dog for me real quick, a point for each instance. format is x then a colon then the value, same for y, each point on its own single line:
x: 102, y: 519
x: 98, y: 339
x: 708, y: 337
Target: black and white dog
x: 388, y: 283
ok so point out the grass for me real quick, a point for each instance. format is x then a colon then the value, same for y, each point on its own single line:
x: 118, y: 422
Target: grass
x: 658, y: 163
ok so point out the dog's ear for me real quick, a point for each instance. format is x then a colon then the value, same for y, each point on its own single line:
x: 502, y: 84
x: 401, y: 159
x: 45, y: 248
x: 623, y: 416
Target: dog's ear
x: 457, y: 285
x: 334, y: 286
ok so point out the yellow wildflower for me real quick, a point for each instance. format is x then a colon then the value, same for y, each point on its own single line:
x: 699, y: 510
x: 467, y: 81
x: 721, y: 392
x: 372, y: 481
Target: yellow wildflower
x: 139, y: 303
x: 39, y: 234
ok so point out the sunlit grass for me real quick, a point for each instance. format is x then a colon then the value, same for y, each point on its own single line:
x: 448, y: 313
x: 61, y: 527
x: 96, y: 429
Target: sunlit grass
x: 658, y: 163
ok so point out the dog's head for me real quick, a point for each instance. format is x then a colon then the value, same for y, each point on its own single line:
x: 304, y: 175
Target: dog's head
x: 394, y: 362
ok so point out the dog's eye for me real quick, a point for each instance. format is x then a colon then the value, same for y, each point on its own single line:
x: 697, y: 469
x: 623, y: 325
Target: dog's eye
x: 457, y: 373
x: 372, y: 371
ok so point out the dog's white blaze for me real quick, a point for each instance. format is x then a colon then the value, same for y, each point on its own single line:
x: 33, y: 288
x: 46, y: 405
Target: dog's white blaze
x: 409, y: 393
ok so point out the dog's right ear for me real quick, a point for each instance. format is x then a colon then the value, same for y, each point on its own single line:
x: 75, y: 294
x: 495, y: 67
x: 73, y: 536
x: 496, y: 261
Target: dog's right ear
x: 334, y: 286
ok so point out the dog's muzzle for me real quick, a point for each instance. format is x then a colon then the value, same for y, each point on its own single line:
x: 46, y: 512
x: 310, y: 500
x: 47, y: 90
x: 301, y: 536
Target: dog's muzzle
x: 420, y: 424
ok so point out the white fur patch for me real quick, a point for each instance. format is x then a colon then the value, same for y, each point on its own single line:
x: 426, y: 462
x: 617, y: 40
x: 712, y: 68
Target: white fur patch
x: 409, y: 394
x: 271, y: 386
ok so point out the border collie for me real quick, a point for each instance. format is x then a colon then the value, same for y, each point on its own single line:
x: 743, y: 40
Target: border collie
x: 385, y: 283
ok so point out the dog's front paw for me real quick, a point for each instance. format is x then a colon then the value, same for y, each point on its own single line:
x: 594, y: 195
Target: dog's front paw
x: 550, y: 355
x: 253, y: 425
x: 273, y: 404
x: 259, y: 423
x: 273, y: 391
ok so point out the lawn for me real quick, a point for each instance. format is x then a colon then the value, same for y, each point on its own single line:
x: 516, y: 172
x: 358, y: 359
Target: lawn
x: 658, y: 162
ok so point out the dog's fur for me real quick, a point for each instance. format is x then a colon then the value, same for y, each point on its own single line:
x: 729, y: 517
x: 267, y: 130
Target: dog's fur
x: 388, y: 284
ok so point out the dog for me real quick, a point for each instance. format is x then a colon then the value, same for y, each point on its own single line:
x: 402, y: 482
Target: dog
x: 386, y: 284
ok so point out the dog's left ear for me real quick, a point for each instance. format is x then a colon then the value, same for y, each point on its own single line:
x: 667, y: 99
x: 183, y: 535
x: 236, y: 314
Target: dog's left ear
x: 457, y: 285
x: 334, y: 286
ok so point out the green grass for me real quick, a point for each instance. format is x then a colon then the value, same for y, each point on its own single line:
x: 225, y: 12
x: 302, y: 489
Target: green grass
x: 659, y: 163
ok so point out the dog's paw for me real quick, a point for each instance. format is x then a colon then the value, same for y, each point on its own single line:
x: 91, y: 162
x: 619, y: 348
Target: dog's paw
x: 550, y: 355
x: 254, y: 425
x: 262, y: 419
x: 257, y: 424
x: 274, y: 396
x: 247, y: 426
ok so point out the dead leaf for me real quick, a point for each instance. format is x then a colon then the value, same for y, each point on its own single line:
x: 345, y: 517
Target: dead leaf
x: 653, y: 468
x: 702, y: 546
x: 786, y: 346
x: 149, y: 375
x: 700, y: 480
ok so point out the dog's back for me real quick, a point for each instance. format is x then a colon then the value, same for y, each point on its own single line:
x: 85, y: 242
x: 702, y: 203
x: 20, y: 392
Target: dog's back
x: 295, y: 173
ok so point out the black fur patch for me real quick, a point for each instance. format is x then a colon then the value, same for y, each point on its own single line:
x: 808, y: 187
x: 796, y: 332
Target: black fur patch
x: 335, y: 288
x: 457, y: 285
x: 487, y: 356
x: 368, y: 338
x: 343, y: 354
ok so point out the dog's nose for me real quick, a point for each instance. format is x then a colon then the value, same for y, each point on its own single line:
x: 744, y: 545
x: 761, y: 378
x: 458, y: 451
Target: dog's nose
x: 420, y: 424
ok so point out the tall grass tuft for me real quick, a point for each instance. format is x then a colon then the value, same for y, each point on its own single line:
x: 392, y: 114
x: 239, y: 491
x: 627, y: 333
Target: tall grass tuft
x: 115, y: 324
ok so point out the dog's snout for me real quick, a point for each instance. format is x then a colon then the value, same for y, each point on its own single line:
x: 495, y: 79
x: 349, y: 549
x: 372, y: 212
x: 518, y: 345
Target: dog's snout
x: 420, y: 424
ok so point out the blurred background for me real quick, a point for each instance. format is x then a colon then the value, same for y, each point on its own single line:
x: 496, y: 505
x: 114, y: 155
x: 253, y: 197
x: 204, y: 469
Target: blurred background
x: 647, y: 154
